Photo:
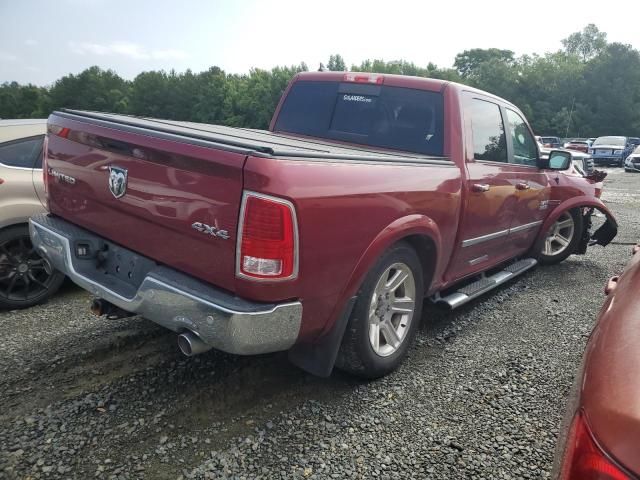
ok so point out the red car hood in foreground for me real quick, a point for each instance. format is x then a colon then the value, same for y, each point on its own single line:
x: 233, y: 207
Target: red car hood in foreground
x: 610, y: 395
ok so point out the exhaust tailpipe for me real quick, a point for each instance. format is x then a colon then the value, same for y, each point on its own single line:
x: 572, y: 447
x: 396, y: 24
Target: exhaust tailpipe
x: 190, y: 344
x: 101, y: 307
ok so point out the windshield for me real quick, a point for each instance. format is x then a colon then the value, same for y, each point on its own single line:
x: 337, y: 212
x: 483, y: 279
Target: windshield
x: 550, y: 139
x: 617, y: 141
x: 374, y: 115
x: 637, y: 150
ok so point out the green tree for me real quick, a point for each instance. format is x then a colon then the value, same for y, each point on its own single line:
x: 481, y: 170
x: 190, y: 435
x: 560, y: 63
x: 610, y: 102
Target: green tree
x: 149, y: 94
x: 23, y: 101
x: 611, y: 88
x: 586, y: 44
x: 92, y: 89
x: 468, y: 62
x: 588, y: 88
x: 336, y: 63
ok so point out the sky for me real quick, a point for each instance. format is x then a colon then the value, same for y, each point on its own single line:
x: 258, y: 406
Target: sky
x: 43, y: 40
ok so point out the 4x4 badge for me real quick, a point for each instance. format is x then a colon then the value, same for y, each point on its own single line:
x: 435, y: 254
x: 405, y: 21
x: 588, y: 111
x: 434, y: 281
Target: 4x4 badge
x: 118, y: 181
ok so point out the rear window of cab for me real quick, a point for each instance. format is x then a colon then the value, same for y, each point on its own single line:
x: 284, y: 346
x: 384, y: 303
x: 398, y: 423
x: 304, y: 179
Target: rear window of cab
x: 373, y: 115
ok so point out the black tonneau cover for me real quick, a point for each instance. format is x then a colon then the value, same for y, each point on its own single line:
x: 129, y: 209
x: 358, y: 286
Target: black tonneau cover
x: 260, y: 142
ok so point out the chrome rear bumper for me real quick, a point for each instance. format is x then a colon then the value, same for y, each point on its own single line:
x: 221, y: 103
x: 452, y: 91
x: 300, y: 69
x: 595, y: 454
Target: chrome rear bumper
x: 170, y: 298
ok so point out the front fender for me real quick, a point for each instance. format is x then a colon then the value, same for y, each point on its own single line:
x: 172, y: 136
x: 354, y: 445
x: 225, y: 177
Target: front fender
x: 602, y: 236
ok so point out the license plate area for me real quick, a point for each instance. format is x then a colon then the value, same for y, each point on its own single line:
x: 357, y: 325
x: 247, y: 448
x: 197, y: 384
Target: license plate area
x: 111, y: 265
x: 123, y: 264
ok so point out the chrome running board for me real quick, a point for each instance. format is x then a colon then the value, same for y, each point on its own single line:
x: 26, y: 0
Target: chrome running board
x: 484, y: 284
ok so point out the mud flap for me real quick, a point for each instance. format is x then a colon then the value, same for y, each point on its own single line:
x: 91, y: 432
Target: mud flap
x: 319, y: 358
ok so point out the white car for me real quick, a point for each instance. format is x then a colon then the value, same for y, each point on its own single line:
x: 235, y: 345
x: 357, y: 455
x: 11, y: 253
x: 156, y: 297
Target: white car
x: 582, y: 161
x: 632, y: 162
x: 25, y: 278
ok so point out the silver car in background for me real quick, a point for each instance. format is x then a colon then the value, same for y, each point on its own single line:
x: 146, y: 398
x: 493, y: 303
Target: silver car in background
x: 632, y: 162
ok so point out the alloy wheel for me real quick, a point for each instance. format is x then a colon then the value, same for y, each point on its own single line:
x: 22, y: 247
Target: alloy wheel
x: 391, y: 309
x: 24, y: 275
x: 560, y: 235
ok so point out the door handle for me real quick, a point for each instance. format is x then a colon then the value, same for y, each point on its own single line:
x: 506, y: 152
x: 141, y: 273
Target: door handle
x: 522, y: 186
x: 480, y: 187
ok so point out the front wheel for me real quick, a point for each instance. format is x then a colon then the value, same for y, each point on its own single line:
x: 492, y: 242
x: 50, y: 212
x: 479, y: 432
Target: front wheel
x: 562, y: 238
x: 26, y: 279
x: 386, y: 315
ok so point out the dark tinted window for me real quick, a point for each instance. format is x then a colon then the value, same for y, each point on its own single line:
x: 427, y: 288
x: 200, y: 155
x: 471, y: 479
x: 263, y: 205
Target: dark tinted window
x: 525, y: 151
x: 489, y: 142
x: 374, y: 115
x: 26, y: 152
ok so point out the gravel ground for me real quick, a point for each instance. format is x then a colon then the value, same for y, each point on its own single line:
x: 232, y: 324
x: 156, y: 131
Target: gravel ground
x: 481, y: 395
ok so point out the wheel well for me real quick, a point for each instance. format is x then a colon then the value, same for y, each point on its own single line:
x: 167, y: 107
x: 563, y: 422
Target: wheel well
x: 13, y: 225
x: 426, y: 250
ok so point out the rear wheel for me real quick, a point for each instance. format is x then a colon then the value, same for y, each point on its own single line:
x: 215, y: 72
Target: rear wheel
x: 562, y: 238
x: 25, y: 278
x: 386, y: 315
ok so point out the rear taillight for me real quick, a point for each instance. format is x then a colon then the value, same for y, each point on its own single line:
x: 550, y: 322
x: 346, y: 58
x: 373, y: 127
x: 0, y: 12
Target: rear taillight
x: 45, y: 170
x: 583, y: 458
x: 267, y: 238
x: 59, y: 131
x: 363, y: 78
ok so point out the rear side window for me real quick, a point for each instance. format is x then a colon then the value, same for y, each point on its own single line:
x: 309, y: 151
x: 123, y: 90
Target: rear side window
x: 25, y: 152
x: 373, y: 115
x: 489, y: 142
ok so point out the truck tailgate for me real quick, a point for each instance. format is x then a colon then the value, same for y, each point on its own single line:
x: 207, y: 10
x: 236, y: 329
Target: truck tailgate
x: 170, y: 198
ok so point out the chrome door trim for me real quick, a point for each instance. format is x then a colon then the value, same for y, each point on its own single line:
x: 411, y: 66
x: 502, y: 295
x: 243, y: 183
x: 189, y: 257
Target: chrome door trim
x: 526, y: 226
x: 478, y: 260
x: 502, y: 233
x: 485, y: 238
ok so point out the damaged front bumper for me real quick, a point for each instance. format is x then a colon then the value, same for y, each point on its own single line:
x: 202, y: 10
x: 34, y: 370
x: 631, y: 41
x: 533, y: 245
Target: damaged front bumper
x: 602, y: 236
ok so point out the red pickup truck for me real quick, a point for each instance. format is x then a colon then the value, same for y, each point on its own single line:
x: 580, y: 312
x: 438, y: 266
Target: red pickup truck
x: 321, y: 236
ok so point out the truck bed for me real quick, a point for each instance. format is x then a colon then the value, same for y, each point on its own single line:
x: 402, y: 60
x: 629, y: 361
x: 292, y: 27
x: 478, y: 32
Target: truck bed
x: 247, y: 141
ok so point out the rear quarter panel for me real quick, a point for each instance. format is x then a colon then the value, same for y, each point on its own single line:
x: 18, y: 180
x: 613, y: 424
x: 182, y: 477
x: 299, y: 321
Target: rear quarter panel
x: 348, y: 212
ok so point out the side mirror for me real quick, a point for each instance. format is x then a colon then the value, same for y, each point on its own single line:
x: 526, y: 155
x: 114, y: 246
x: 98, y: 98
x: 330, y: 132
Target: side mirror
x: 559, y: 160
x: 543, y: 161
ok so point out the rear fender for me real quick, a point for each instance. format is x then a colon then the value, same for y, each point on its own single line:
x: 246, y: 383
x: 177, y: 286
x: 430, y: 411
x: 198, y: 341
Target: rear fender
x: 398, y: 230
x: 319, y: 357
x: 602, y: 236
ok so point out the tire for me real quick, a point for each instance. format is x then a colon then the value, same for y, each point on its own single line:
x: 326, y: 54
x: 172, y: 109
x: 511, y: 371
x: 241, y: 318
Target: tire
x: 26, y: 279
x: 552, y: 253
x: 358, y: 354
